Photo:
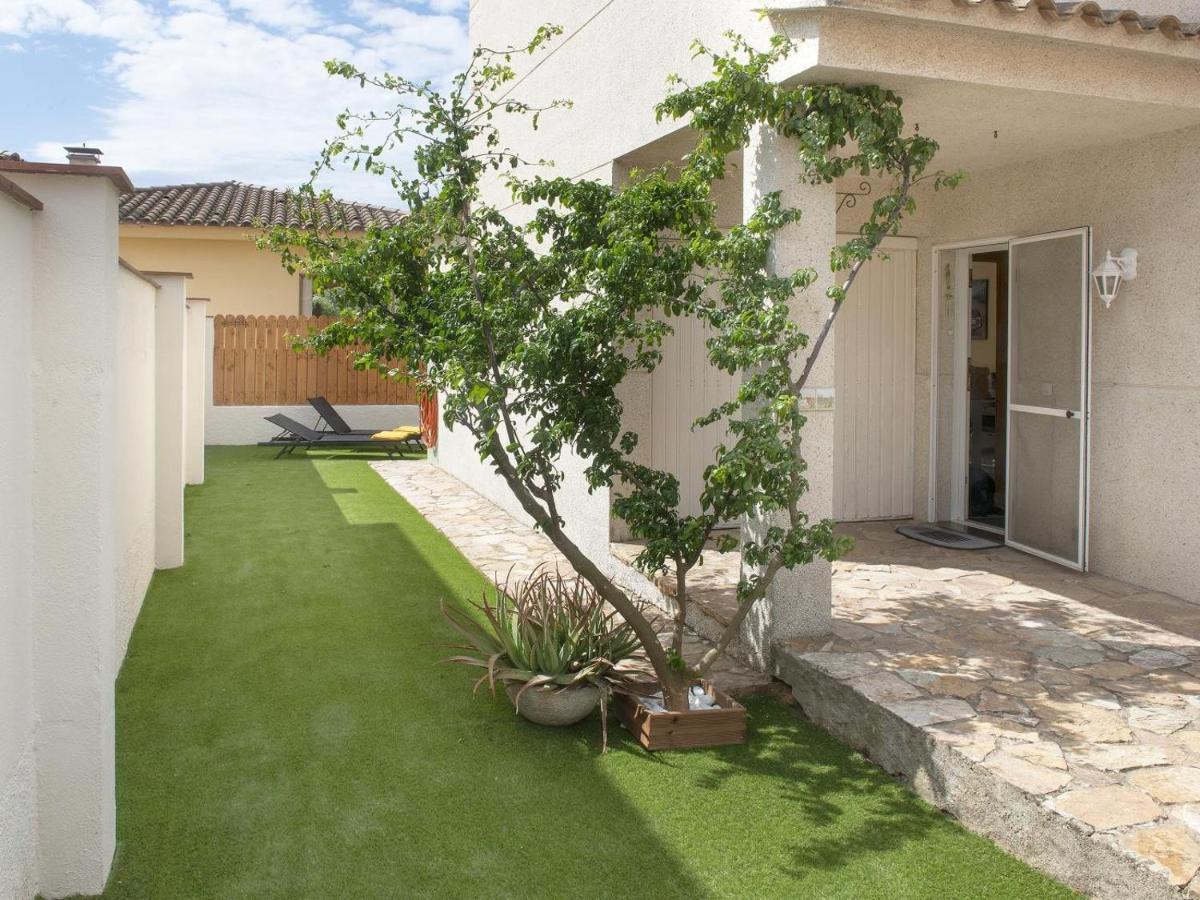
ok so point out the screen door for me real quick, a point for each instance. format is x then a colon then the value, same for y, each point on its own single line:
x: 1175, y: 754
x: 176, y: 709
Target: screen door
x: 1048, y: 395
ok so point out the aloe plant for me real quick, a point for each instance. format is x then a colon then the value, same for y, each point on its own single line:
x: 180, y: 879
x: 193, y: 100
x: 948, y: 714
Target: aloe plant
x: 549, y: 631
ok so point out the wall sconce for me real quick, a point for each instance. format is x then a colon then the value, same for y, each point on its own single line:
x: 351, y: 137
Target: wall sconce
x: 1110, y: 273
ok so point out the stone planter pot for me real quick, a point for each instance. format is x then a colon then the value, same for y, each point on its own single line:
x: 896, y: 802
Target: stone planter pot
x: 561, y: 706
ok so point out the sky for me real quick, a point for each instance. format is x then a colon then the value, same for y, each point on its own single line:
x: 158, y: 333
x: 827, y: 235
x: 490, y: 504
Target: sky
x: 210, y: 90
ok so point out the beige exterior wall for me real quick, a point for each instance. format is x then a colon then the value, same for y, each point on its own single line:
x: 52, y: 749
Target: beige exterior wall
x: 226, y: 267
x: 1145, y: 430
x: 614, y: 114
x: 611, y: 117
x: 1031, y: 109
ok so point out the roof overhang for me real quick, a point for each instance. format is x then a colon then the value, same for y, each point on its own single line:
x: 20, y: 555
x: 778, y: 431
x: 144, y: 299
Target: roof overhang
x: 995, y: 87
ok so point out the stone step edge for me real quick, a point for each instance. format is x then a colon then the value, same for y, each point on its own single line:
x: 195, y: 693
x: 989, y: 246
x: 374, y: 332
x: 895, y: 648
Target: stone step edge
x: 981, y: 800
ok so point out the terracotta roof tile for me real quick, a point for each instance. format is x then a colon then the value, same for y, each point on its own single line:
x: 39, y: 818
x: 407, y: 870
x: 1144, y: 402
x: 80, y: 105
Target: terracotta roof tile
x: 231, y: 203
x: 1093, y: 13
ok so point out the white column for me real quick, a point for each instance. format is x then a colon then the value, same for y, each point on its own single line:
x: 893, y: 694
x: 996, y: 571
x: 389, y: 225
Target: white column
x: 800, y: 601
x: 73, y: 526
x: 170, y: 348
x: 197, y: 380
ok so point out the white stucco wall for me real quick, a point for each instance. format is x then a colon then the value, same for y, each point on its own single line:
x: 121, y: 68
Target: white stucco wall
x: 170, y: 412
x: 78, y: 504
x: 196, y: 387
x: 18, y: 775
x: 237, y: 425
x: 1145, y: 439
x: 74, y: 553
x: 611, y: 117
x: 136, y: 438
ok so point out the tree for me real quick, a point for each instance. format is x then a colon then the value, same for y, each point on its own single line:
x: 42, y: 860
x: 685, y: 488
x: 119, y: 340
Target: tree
x: 529, y: 329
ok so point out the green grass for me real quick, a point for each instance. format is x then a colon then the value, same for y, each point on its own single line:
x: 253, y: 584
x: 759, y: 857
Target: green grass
x: 285, y: 729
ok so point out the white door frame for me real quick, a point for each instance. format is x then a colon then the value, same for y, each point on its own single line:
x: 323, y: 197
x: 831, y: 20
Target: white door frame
x: 959, y: 411
x: 1085, y: 398
x: 959, y: 450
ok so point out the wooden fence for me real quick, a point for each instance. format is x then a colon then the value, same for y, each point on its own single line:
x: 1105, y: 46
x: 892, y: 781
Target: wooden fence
x: 254, y: 365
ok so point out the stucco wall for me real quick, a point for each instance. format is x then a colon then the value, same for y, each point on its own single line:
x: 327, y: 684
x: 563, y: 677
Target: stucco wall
x: 18, y: 776
x: 78, y: 504
x: 1145, y: 428
x: 197, y: 385
x: 1144, y: 494
x: 135, y: 450
x: 74, y: 551
x: 226, y: 267
x: 170, y: 413
x: 611, y: 117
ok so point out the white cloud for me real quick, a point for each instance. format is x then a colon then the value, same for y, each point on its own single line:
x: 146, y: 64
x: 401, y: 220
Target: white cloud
x: 237, y: 89
x: 288, y: 14
x: 121, y: 21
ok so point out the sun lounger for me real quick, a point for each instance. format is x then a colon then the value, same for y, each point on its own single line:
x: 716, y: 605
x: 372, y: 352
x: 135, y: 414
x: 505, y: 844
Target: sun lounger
x: 293, y: 435
x: 331, y: 418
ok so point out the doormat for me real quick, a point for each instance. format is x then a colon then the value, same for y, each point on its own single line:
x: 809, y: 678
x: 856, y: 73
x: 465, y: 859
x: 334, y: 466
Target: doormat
x: 950, y: 538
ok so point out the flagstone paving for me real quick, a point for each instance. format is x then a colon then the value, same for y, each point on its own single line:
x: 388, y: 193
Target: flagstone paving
x: 1082, y: 692
x: 1079, y: 694
x: 503, y: 547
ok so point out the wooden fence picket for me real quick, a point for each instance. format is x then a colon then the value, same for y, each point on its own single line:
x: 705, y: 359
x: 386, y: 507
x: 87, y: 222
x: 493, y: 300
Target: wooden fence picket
x: 254, y: 365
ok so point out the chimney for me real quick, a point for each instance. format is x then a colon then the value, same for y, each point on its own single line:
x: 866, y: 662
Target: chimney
x: 83, y: 155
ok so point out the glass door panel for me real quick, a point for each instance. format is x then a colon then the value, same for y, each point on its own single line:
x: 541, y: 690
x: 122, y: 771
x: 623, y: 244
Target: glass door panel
x: 1047, y: 409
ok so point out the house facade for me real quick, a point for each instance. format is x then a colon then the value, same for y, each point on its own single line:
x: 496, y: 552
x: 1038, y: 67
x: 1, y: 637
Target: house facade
x: 977, y: 376
x: 208, y: 229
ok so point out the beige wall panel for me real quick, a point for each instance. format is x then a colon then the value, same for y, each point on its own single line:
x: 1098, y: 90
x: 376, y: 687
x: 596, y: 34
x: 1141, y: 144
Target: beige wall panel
x: 237, y: 277
x: 875, y: 337
x: 1145, y: 434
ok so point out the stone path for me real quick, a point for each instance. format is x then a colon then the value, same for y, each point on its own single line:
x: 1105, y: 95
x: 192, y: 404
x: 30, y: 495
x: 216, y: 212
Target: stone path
x: 1063, y: 685
x: 501, y: 546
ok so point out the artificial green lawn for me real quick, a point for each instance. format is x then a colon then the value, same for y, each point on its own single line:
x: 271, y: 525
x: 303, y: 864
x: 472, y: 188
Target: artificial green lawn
x: 285, y: 729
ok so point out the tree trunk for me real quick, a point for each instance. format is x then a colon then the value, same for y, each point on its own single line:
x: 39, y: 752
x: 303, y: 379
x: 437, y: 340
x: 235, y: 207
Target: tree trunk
x: 675, y: 688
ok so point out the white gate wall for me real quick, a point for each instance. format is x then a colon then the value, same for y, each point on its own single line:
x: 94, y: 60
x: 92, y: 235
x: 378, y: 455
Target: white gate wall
x: 683, y: 387
x: 875, y: 354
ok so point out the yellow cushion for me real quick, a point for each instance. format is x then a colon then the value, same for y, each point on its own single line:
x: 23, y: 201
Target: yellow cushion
x: 400, y: 433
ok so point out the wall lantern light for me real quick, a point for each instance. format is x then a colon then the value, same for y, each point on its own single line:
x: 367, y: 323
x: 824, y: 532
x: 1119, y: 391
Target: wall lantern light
x: 1110, y: 273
